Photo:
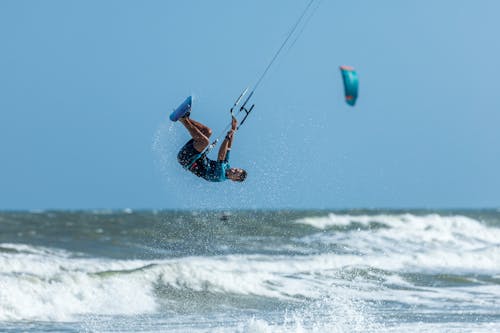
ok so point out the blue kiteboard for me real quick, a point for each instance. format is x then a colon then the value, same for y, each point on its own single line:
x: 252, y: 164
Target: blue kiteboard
x: 184, y: 108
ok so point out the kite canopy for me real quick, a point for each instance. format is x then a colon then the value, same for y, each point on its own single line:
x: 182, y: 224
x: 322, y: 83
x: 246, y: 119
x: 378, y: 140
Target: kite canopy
x: 350, y: 78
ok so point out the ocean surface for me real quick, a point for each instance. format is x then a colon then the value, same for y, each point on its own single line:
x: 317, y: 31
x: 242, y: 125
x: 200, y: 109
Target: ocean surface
x: 250, y: 271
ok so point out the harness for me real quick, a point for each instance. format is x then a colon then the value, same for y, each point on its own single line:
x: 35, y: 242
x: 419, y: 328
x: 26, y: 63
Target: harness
x: 193, y: 162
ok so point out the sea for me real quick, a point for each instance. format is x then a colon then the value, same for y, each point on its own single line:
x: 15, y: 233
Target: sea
x: 250, y: 271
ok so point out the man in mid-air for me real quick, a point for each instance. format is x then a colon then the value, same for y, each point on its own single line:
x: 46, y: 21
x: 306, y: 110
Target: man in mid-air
x: 191, y: 155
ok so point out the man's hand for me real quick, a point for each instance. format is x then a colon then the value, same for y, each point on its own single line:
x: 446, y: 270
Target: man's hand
x: 234, y: 123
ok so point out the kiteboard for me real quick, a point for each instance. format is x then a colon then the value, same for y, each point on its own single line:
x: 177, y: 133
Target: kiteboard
x: 182, y: 109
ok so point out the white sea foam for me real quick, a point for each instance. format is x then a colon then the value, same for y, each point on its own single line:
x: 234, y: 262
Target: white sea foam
x: 51, y: 284
x: 415, y: 243
x: 43, y: 284
x: 262, y: 326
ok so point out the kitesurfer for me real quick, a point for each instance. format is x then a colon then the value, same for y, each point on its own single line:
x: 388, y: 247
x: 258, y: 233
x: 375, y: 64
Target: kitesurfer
x: 192, y: 158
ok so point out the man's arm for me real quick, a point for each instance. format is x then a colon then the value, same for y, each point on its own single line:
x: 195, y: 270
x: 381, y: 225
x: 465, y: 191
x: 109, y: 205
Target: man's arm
x: 225, y: 147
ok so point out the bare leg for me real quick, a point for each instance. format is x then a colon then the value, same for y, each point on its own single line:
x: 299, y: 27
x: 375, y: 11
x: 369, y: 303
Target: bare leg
x: 203, y: 129
x: 201, y: 141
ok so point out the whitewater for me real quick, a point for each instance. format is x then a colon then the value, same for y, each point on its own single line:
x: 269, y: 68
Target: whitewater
x: 250, y: 271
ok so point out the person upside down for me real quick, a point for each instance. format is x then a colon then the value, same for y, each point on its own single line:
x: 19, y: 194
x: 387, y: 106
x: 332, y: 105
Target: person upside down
x: 191, y: 155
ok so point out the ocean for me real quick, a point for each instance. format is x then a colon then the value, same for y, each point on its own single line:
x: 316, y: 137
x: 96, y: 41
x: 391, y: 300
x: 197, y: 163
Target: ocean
x: 250, y: 271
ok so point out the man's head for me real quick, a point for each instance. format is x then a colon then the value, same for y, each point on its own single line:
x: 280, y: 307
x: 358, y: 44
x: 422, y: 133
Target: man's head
x: 236, y: 174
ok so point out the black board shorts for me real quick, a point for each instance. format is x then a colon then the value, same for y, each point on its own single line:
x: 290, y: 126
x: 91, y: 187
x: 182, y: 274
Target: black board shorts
x: 187, y: 153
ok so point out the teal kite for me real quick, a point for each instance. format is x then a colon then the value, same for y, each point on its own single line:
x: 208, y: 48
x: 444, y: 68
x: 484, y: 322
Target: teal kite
x: 350, y: 78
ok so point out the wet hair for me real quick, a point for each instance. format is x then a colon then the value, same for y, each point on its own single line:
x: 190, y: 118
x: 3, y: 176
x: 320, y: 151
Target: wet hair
x: 243, y: 175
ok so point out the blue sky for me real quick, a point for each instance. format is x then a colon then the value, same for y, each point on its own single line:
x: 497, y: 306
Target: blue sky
x: 86, y: 88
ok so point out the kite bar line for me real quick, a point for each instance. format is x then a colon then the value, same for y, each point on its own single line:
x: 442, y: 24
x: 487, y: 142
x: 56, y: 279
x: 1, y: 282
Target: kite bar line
x: 290, y: 34
x: 280, y: 49
x: 243, y: 107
